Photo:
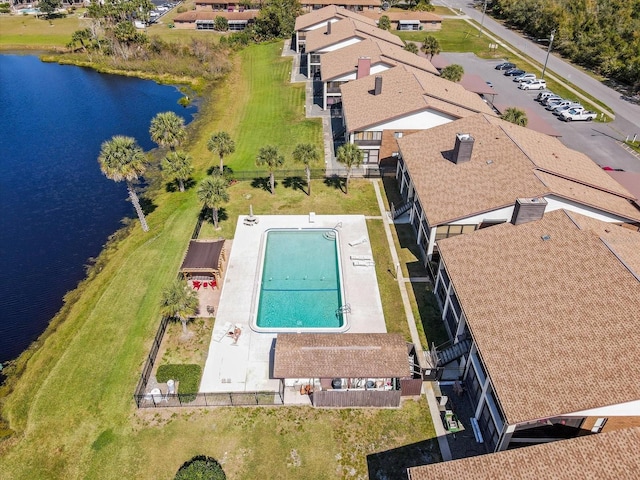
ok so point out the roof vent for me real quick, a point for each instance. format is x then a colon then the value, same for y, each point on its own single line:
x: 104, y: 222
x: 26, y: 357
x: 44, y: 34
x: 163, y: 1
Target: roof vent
x: 378, y: 86
x: 489, y: 162
x: 546, y: 238
x: 528, y: 210
x: 328, y: 32
x: 463, y: 148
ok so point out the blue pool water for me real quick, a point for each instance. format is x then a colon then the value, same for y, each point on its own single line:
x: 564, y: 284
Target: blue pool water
x: 300, y: 284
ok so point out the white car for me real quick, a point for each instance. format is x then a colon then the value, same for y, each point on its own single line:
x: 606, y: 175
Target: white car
x: 524, y: 76
x: 533, y: 85
x: 562, y: 108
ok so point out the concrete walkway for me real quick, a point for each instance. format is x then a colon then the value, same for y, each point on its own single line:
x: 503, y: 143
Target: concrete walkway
x: 441, y: 433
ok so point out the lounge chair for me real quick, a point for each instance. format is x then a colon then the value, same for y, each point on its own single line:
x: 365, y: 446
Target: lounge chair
x: 363, y: 263
x: 362, y: 257
x: 359, y: 241
x: 220, y: 334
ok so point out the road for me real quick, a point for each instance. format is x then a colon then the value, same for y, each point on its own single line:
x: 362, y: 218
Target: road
x: 627, y: 120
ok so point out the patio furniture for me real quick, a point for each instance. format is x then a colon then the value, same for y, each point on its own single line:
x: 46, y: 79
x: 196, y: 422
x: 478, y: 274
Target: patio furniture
x: 205, y: 284
x: 358, y: 241
x: 361, y: 257
x: 197, y: 285
x: 220, y: 334
x: 451, y: 422
x: 210, y: 309
x: 363, y: 263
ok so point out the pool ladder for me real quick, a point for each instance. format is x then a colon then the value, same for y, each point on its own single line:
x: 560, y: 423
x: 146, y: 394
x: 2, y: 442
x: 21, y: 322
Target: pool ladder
x: 346, y: 308
x: 331, y: 235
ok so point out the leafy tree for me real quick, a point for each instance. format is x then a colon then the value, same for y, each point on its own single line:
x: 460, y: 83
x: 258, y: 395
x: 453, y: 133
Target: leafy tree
x: 201, y: 468
x: 48, y: 7
x: 221, y: 144
x: 430, y: 46
x: 384, y: 23
x: 306, y: 153
x: 276, y: 19
x: 167, y: 130
x: 351, y: 156
x: 424, y: 6
x: 270, y: 157
x: 411, y: 47
x: 452, y: 72
x: 220, y: 24
x: 178, y: 166
x: 179, y: 302
x: 212, y: 192
x: 515, y: 115
x: 81, y: 36
x: 122, y: 159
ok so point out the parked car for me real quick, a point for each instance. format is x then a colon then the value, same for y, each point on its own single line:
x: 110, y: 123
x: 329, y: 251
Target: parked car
x: 542, y: 95
x: 524, y: 77
x: 561, y: 103
x: 533, y: 85
x: 558, y: 109
x: 505, y: 66
x: 551, y: 99
x: 514, y: 72
x: 578, y: 115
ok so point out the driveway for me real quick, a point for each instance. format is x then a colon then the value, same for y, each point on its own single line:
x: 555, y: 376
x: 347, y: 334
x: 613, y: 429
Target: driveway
x: 600, y: 141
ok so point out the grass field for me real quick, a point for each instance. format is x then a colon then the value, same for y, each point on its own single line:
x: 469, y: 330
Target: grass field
x: 27, y: 31
x: 72, y: 409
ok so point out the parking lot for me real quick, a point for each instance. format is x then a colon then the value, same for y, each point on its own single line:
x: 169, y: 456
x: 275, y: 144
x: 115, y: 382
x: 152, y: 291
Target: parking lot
x: 600, y: 141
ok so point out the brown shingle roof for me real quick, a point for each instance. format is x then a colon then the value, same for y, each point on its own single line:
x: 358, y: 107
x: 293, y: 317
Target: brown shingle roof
x: 405, y: 90
x: 325, y: 14
x: 502, y: 170
x: 352, y: 355
x: 193, y: 15
x: 344, y: 30
x: 556, y: 321
x: 340, y: 3
x: 345, y: 61
x: 606, y: 456
x: 396, y: 16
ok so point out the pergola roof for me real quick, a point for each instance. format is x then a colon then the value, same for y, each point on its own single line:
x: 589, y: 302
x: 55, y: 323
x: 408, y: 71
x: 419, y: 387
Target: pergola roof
x: 202, y: 256
x: 354, y: 355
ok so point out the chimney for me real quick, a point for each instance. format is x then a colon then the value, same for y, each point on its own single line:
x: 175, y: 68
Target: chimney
x: 463, y: 148
x: 528, y: 210
x: 364, y: 67
x: 328, y: 32
x: 378, y: 86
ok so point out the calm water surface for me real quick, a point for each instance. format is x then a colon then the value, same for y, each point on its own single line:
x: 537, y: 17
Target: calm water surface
x: 56, y: 207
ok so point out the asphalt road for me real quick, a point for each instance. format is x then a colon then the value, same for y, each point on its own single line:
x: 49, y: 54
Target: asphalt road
x: 600, y: 141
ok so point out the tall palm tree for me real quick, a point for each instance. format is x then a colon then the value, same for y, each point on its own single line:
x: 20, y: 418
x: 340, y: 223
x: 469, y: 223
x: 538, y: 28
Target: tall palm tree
x: 306, y: 153
x: 212, y: 192
x: 180, y: 302
x: 453, y: 72
x: 515, y: 115
x: 122, y: 159
x: 430, y: 46
x: 222, y: 144
x: 270, y: 157
x: 351, y: 155
x: 167, y: 130
x: 177, y: 165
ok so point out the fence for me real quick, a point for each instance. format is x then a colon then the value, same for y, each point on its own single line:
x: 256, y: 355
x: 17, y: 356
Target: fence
x: 217, y: 399
x: 316, y: 173
x: 151, y: 360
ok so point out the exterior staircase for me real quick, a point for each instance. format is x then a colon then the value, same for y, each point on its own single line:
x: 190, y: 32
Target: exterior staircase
x: 448, y: 352
x: 396, y: 212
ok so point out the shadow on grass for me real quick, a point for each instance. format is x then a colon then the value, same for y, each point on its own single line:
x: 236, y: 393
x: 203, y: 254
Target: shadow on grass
x: 263, y: 183
x: 430, y: 314
x: 174, y: 186
x: 392, y: 464
x: 207, y: 215
x: 336, y: 182
x: 147, y: 205
x: 295, y: 183
x: 391, y: 190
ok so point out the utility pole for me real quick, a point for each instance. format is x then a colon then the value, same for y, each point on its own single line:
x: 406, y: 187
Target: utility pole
x: 544, y: 69
x: 484, y: 9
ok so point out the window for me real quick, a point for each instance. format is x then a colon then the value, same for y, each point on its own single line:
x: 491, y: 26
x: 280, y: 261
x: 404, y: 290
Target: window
x: 444, y: 277
x: 488, y: 428
x: 451, y: 321
x: 371, y: 156
x: 368, y: 136
x: 473, y: 385
x: 455, y: 304
x: 442, y: 293
x: 398, y: 134
x: 446, y: 231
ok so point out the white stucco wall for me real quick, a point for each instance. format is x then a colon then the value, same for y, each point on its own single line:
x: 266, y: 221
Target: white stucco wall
x: 555, y: 203
x: 417, y: 121
x: 338, y: 46
x: 628, y: 409
x: 320, y: 25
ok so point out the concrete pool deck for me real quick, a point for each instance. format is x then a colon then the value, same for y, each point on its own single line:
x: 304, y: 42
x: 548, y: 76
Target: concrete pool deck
x: 245, y: 366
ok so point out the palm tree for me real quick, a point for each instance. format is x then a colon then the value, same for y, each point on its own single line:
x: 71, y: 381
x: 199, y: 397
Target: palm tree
x: 430, y: 46
x: 411, y: 47
x: 452, y: 72
x: 306, y: 153
x: 180, y: 302
x: 167, y: 130
x: 222, y: 144
x: 122, y: 159
x: 212, y: 192
x: 177, y: 165
x: 351, y: 155
x: 270, y: 156
x: 515, y: 115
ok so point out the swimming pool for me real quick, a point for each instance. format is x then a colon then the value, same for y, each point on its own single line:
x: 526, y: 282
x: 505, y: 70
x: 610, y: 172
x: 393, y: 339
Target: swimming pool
x: 300, y: 282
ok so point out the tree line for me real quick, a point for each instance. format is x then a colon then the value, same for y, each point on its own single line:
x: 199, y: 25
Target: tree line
x: 601, y: 35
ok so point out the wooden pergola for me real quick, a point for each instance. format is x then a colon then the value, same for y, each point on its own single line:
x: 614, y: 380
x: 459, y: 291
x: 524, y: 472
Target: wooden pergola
x: 204, y: 258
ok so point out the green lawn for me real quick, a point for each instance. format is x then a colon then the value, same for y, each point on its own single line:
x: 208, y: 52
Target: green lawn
x: 27, y: 31
x: 72, y: 409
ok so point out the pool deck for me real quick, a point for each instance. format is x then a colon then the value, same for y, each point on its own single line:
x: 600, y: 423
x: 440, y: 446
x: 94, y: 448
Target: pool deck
x: 244, y: 366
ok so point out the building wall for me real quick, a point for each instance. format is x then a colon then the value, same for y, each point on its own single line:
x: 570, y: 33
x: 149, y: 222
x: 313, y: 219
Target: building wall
x: 417, y: 121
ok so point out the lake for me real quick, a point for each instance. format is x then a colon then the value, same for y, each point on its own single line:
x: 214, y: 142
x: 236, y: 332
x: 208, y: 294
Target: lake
x: 57, y: 209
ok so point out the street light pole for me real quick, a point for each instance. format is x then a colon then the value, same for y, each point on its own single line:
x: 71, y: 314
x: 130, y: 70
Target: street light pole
x: 553, y: 32
x: 484, y: 9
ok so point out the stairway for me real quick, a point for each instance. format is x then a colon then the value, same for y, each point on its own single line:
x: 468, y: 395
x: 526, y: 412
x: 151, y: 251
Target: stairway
x: 453, y: 352
x: 402, y: 209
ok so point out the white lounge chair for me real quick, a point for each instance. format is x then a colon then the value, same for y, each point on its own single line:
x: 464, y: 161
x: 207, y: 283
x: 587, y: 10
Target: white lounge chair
x: 363, y: 263
x: 362, y: 257
x: 220, y: 334
x: 359, y: 241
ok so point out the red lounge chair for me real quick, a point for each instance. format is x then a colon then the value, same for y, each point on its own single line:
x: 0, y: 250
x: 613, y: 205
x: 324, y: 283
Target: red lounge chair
x: 213, y: 284
x: 196, y: 285
x: 205, y: 285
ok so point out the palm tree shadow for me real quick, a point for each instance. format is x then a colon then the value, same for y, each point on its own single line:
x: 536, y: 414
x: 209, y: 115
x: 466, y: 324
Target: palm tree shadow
x: 174, y: 186
x: 336, y: 182
x: 262, y: 183
x: 147, y: 205
x: 207, y: 215
x: 296, y: 183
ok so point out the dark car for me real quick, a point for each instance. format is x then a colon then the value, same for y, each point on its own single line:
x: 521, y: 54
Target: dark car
x: 505, y: 66
x: 514, y: 72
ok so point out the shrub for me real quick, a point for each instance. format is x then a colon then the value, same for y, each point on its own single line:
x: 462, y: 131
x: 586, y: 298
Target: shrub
x: 182, y: 9
x: 188, y: 376
x: 201, y: 468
